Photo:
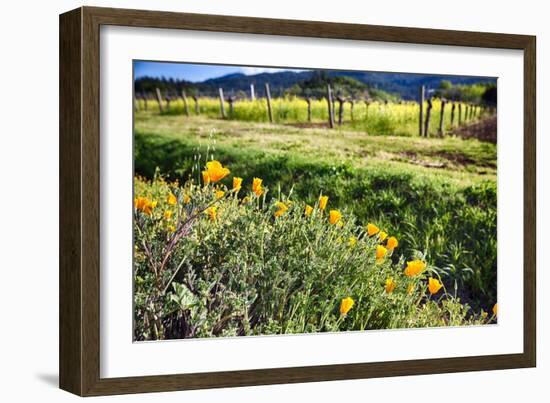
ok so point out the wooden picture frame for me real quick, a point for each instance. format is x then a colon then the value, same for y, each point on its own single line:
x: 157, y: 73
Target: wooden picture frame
x: 80, y: 187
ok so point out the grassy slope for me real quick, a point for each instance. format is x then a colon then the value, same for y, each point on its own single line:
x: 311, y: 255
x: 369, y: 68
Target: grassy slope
x: 437, y: 195
x: 461, y: 161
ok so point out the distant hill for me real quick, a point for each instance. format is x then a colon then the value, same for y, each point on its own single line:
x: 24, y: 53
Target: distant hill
x: 406, y: 85
x: 403, y: 85
x: 278, y: 82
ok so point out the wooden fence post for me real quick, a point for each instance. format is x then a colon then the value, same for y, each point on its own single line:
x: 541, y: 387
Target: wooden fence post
x: 453, y: 114
x: 441, y: 119
x: 428, y: 113
x: 421, y: 93
x: 185, y: 105
x: 197, y: 109
x: 467, y: 113
x: 159, y: 100
x: 168, y: 99
x: 330, y: 107
x: 222, y: 106
x: 308, y: 100
x: 230, y: 100
x: 341, y: 102
x: 351, y: 105
x: 252, y: 94
x: 459, y: 114
x: 268, y: 96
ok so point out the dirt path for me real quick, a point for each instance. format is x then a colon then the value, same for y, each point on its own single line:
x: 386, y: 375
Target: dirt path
x: 485, y: 130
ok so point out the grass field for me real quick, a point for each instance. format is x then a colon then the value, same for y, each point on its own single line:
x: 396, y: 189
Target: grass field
x: 436, y: 195
x: 396, y: 119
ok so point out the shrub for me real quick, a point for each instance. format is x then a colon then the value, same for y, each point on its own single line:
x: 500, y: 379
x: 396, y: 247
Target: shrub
x: 212, y: 259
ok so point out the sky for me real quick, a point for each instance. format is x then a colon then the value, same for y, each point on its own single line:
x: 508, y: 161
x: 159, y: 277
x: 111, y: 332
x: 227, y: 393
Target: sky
x: 193, y: 72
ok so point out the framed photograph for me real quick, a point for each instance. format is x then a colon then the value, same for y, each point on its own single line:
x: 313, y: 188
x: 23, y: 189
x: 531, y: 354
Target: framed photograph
x: 249, y: 201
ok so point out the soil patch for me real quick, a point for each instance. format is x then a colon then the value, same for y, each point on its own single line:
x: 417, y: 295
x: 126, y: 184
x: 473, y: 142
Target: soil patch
x: 485, y: 130
x: 308, y: 125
